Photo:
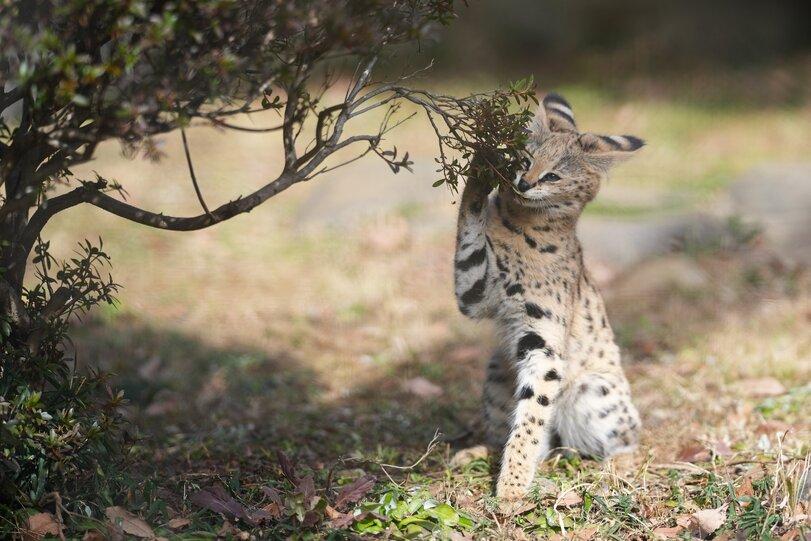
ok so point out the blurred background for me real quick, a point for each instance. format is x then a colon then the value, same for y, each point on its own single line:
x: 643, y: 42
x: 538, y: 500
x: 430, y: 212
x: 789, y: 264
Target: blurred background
x: 324, y: 321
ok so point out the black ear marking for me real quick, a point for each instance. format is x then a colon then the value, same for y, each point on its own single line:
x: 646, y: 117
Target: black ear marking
x: 604, y: 144
x: 559, y: 112
x: 634, y: 143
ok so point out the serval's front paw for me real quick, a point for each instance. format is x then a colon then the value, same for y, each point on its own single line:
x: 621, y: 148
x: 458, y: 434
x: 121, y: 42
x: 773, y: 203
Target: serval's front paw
x: 511, y: 489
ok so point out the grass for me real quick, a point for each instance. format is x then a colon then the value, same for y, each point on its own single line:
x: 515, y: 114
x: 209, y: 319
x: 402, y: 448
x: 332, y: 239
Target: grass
x: 265, y: 360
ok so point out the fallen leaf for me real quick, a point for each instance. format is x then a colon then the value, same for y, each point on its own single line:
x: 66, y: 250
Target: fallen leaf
x: 693, y: 452
x: 709, y: 520
x: 422, y: 388
x: 586, y: 534
x: 355, y: 491
x: 569, y: 498
x: 463, y: 457
x: 311, y: 518
x: 745, y: 488
x: 94, y: 535
x: 760, y: 387
x: 791, y: 535
x: 345, y: 519
x: 684, y: 521
x: 331, y: 512
x: 515, y: 507
x: 306, y: 487
x: 128, y: 522
x: 178, y: 523
x: 668, y: 532
x: 275, y: 508
x: 39, y: 525
x: 546, y: 487
x: 218, y: 500
x: 287, y: 466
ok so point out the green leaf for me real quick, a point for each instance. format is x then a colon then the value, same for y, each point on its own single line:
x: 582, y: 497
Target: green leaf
x: 446, y: 514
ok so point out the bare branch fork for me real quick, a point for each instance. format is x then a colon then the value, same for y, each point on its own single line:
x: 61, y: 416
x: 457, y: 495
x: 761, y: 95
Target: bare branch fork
x: 451, y: 118
x: 296, y: 170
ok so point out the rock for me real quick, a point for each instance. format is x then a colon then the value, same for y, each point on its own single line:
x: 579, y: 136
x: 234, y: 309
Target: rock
x: 464, y: 457
x: 422, y: 388
x: 656, y: 275
x: 778, y: 197
x: 707, y: 521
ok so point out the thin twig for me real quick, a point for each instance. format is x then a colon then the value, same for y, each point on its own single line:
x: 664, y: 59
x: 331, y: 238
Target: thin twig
x: 191, y: 173
x: 431, y: 445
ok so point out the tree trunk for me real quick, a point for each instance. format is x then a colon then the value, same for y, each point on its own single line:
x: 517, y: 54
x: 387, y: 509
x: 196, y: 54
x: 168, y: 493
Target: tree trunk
x: 12, y: 261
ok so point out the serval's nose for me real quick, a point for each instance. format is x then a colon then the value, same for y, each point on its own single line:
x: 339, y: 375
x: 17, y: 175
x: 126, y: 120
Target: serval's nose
x: 523, y: 185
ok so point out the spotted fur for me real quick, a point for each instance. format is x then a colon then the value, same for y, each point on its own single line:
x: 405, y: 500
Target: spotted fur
x: 556, y: 373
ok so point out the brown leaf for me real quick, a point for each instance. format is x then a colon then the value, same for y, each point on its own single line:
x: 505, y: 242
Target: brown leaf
x: 665, y: 532
x: 288, y: 466
x: 39, y: 525
x: 709, y: 520
x: 128, y: 522
x: 760, y: 387
x: 178, y: 523
x: 684, y: 521
x: 273, y: 510
x: 791, y: 535
x: 311, y: 518
x: 218, y: 500
x: 355, y: 491
x: 95, y: 535
x: 345, y: 519
x: 693, y: 452
x: 331, y: 512
x: 306, y: 487
x: 745, y: 488
x: 515, y: 507
x: 586, y: 534
x: 570, y: 498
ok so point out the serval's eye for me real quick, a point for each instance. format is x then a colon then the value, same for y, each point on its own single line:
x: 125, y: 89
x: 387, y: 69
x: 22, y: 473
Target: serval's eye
x: 550, y: 177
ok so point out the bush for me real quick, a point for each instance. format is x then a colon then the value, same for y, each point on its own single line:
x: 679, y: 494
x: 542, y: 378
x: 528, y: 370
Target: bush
x: 57, y: 420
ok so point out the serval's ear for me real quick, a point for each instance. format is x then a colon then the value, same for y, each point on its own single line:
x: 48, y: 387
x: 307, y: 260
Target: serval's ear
x: 559, y: 113
x: 539, y: 126
x: 606, y: 150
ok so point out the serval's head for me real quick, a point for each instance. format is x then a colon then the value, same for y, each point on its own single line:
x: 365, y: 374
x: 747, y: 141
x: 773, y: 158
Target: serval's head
x: 564, y: 167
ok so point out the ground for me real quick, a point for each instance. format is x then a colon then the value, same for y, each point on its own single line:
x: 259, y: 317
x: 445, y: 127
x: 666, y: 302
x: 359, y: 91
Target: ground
x: 310, y: 346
